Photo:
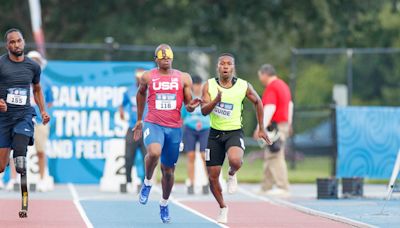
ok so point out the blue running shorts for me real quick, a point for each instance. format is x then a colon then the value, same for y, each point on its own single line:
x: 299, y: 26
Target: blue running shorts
x: 169, y: 139
x: 11, y: 124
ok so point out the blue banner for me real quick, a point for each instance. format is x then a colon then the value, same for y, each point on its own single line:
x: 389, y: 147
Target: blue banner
x: 85, y: 115
x: 368, y: 141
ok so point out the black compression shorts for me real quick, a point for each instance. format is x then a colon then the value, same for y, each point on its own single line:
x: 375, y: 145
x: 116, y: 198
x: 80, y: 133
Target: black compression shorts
x: 218, y: 144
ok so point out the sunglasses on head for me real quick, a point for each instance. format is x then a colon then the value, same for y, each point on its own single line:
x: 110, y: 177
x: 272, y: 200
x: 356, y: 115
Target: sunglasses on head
x: 164, y: 54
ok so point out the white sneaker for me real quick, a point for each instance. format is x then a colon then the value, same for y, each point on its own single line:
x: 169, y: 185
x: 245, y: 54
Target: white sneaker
x: 232, y: 184
x: 278, y: 192
x: 42, y: 186
x: 223, y: 215
x: 11, y: 183
x: 131, y: 188
x: 49, y: 183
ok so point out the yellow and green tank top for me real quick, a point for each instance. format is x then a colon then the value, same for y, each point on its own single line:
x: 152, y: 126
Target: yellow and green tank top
x: 227, y: 114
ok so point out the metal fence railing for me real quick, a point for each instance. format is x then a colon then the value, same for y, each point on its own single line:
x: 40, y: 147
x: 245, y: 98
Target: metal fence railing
x: 191, y: 59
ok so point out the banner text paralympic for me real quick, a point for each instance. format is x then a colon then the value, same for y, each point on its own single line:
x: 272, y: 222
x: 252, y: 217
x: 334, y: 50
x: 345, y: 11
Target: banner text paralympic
x: 85, y: 119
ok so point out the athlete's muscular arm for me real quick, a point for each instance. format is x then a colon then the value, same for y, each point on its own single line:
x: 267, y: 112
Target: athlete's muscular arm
x: 140, y: 101
x: 3, y: 106
x: 208, y: 105
x: 252, y: 95
x: 190, y: 103
x: 39, y: 99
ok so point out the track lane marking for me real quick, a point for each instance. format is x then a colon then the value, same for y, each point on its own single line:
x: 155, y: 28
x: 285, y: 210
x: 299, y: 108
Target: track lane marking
x: 176, y: 202
x: 306, y: 210
x: 75, y: 198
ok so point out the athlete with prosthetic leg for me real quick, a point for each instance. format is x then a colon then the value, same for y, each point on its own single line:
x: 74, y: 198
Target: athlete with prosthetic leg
x: 17, y: 74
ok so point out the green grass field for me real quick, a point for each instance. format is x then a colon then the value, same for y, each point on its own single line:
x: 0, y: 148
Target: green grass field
x: 306, y: 170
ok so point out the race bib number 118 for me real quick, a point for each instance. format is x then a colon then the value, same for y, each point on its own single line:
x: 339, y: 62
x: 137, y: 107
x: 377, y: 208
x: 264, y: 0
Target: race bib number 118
x: 165, y: 101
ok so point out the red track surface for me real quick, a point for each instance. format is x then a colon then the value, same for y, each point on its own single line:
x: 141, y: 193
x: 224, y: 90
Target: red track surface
x: 41, y: 213
x: 262, y: 214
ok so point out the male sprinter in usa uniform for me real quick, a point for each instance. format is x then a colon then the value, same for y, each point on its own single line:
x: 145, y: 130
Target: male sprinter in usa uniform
x: 17, y: 73
x: 223, y: 101
x: 167, y: 90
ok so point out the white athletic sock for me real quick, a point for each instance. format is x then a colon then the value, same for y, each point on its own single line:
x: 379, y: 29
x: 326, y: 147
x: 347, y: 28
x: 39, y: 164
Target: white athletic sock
x: 229, y: 171
x: 163, y: 202
x: 147, y: 182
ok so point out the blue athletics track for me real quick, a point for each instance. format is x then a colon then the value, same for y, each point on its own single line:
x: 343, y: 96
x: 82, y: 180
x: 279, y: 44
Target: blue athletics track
x: 85, y: 206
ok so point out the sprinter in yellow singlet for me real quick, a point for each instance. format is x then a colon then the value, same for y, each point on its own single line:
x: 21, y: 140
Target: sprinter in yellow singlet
x: 223, y: 101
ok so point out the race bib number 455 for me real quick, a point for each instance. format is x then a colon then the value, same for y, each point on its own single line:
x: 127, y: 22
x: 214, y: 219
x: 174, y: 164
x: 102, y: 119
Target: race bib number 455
x: 17, y: 96
x: 165, y: 101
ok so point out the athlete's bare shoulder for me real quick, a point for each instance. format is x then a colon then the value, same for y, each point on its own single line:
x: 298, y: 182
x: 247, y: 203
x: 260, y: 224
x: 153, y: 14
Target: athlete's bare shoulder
x: 145, y: 77
x: 186, y: 78
x: 204, y: 88
x: 182, y: 73
x: 186, y: 75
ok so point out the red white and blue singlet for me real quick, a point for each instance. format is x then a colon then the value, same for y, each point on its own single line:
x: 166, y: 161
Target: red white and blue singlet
x: 163, y: 121
x: 165, y: 97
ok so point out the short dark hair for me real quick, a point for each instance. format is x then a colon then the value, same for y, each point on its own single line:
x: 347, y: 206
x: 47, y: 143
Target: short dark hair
x: 197, y: 79
x: 10, y: 31
x: 268, y: 69
x: 229, y: 55
x: 226, y: 54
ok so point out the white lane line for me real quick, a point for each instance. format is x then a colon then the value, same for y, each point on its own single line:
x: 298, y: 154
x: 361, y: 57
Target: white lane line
x: 306, y: 210
x: 78, y: 205
x: 176, y: 202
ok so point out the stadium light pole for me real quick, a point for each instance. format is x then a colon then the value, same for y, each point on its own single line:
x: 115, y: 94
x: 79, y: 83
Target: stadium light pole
x: 36, y: 21
x: 292, y: 84
x: 349, y: 53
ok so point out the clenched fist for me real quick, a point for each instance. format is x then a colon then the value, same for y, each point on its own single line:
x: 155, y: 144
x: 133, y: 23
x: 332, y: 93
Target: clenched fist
x: 45, y: 118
